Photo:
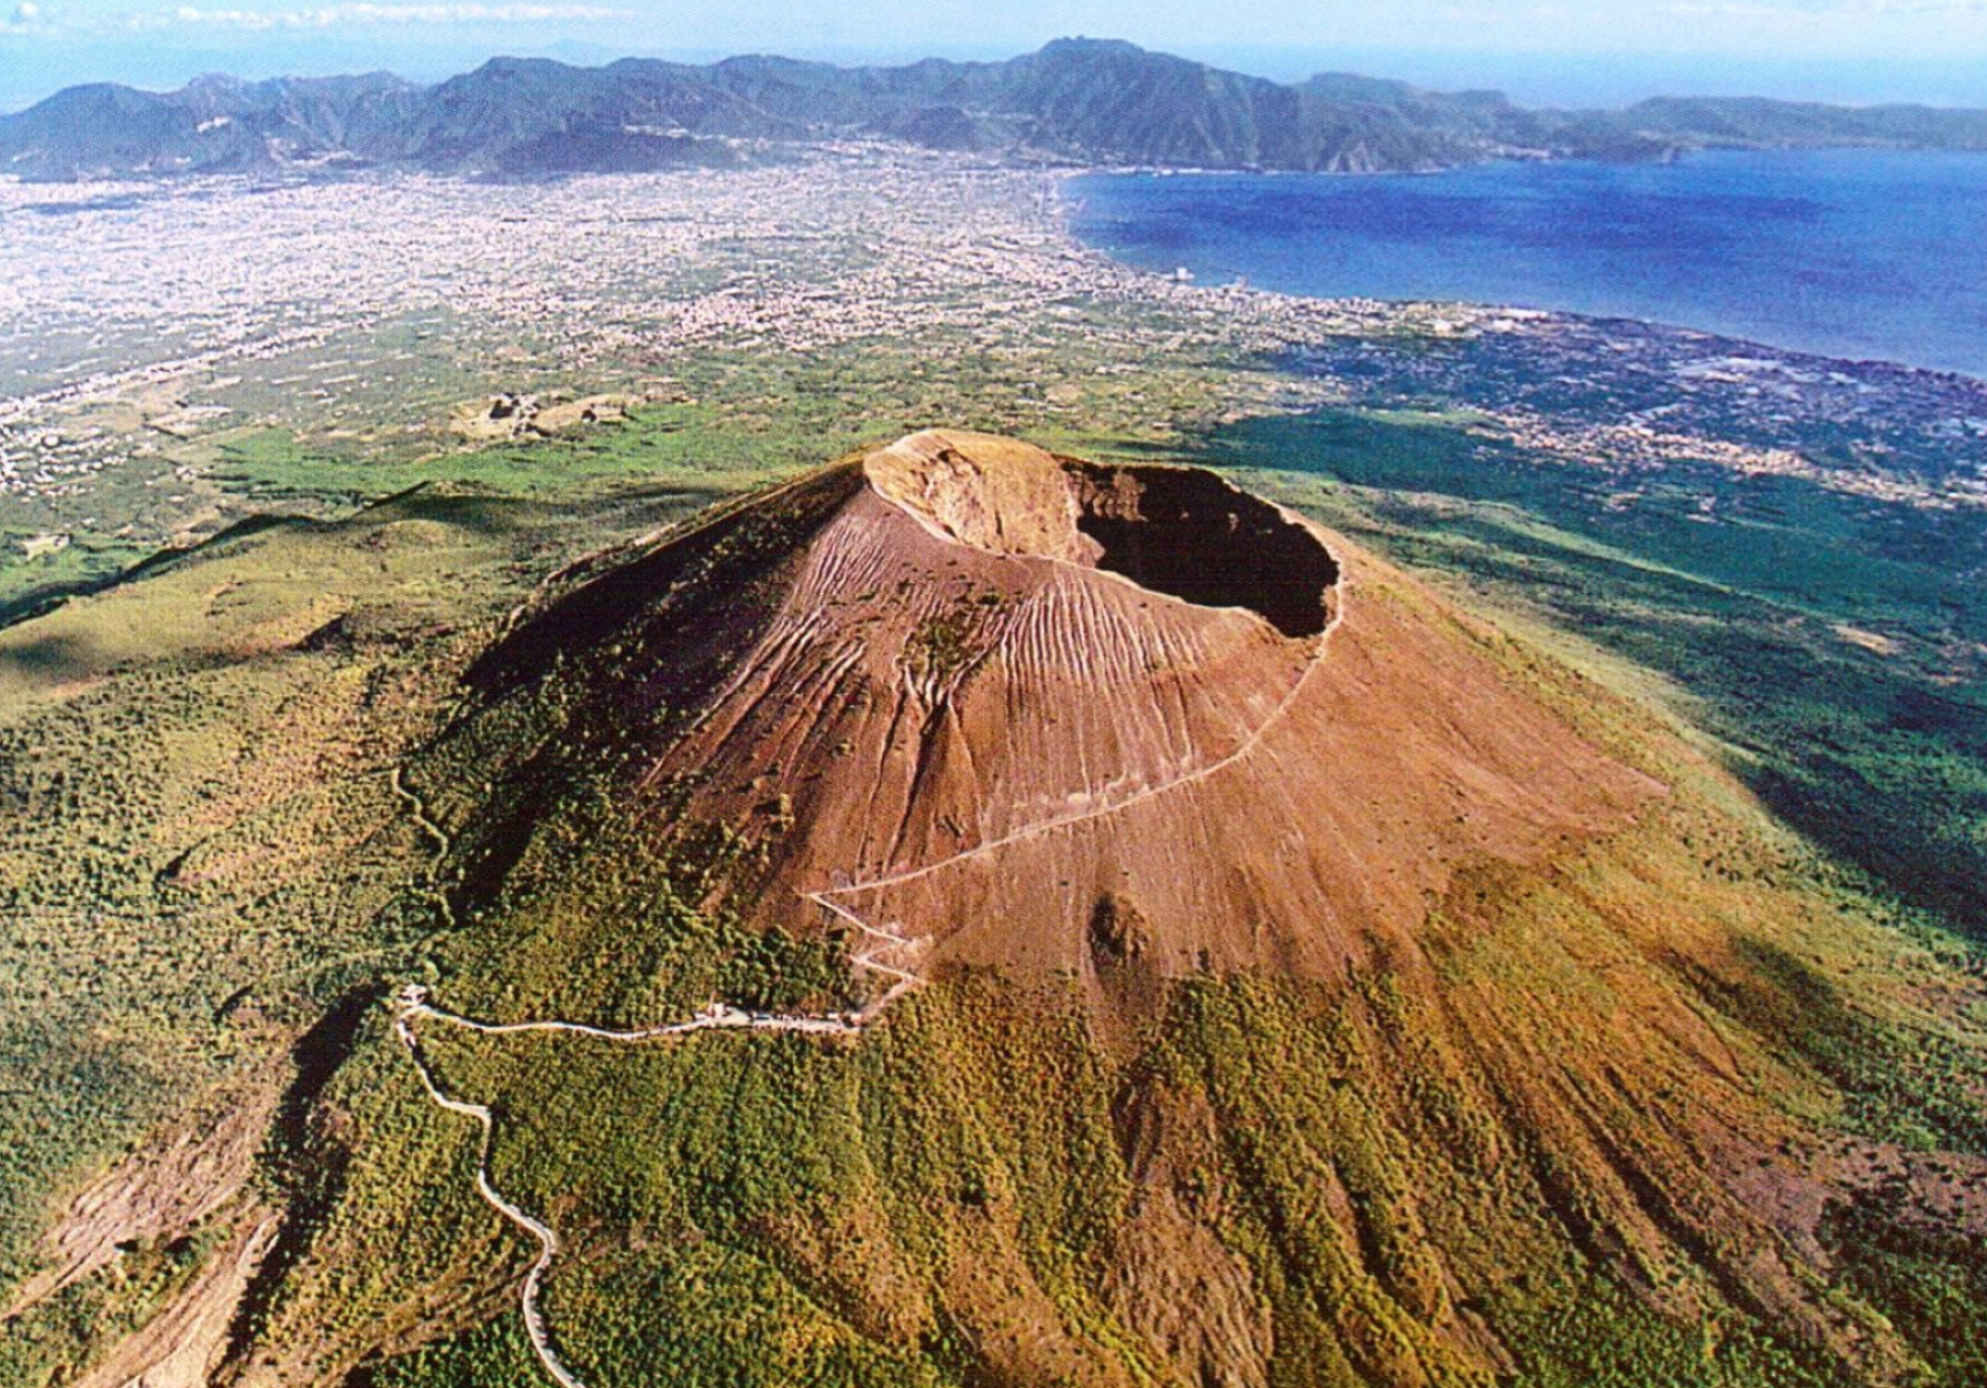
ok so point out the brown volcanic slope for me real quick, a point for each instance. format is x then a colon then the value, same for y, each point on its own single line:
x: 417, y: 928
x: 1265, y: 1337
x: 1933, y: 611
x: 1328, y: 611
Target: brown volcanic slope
x: 1005, y: 699
x: 1413, y: 1014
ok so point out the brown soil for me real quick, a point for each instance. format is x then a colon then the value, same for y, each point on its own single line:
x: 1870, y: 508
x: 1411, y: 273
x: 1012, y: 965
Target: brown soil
x: 1054, y: 722
x: 1005, y: 687
x: 183, y: 1345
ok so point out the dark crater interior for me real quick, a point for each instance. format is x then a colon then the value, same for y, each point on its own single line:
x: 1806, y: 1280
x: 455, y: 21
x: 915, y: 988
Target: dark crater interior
x: 1187, y: 533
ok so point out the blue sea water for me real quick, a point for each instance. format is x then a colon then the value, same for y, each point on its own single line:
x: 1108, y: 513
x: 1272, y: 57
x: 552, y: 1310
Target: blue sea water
x: 1848, y: 253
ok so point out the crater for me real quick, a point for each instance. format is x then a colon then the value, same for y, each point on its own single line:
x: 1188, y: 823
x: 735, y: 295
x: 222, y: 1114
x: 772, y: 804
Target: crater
x: 1180, y: 531
x: 1187, y: 533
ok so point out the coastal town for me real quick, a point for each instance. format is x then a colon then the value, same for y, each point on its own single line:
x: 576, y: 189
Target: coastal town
x: 147, y: 326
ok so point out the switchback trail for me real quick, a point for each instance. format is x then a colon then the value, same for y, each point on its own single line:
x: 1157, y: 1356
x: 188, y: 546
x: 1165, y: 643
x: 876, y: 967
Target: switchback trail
x: 888, y: 956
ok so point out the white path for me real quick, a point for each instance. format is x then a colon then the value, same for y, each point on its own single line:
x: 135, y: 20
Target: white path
x: 414, y: 1006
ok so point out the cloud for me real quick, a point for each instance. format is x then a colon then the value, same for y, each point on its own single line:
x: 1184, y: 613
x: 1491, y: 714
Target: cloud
x: 48, y: 17
x: 322, y: 17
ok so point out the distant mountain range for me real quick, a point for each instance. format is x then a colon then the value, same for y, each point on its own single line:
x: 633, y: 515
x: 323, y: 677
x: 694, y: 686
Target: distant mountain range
x: 1077, y: 100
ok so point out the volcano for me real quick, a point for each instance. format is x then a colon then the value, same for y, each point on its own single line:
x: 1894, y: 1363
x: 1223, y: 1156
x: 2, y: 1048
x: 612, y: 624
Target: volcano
x: 1041, y: 713
x: 1199, y: 954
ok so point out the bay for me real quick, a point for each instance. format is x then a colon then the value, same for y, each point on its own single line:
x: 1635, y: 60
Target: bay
x: 1868, y: 254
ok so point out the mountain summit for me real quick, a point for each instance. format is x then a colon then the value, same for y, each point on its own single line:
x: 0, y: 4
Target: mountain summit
x: 1010, y: 700
x: 974, y: 916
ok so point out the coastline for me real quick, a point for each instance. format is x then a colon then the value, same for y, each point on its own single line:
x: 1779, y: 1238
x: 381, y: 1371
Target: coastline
x: 1596, y: 239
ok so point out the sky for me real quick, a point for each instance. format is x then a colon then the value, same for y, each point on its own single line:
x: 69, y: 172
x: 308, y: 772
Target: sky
x: 1598, y: 52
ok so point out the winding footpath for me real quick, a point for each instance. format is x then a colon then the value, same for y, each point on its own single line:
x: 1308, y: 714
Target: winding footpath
x: 888, y: 956
x: 412, y: 1006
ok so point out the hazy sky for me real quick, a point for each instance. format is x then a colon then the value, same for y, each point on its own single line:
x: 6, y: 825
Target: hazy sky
x: 1542, y: 50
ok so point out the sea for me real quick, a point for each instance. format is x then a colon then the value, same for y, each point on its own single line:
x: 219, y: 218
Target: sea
x: 1860, y: 254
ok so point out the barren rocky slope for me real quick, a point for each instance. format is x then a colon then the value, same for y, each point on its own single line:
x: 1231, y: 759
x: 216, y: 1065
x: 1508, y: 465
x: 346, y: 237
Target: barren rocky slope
x: 1394, y: 940
x: 977, y: 670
